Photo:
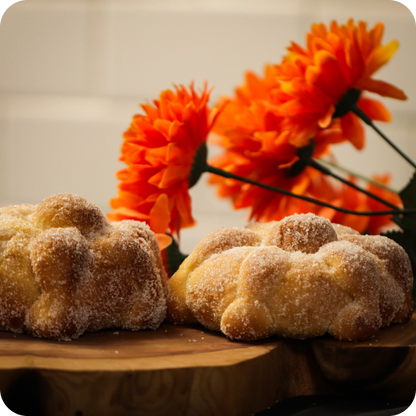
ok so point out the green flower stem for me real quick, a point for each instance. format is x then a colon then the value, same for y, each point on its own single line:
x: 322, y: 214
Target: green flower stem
x: 360, y: 113
x: 316, y: 165
x: 357, y: 175
x: 229, y: 175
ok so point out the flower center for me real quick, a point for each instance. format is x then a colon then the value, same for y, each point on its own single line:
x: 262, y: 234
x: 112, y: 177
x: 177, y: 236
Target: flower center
x: 199, y: 164
x: 347, y: 102
x: 305, y: 154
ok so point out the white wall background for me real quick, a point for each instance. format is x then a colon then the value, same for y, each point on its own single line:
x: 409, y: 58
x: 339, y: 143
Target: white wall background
x: 72, y: 73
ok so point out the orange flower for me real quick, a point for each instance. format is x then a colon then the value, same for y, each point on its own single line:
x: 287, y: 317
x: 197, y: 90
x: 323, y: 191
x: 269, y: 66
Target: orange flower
x: 258, y: 149
x: 335, y: 61
x: 258, y: 146
x: 159, y: 149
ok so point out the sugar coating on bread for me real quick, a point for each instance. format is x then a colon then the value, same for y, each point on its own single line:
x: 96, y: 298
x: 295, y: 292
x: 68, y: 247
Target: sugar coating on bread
x: 65, y: 270
x: 299, y: 277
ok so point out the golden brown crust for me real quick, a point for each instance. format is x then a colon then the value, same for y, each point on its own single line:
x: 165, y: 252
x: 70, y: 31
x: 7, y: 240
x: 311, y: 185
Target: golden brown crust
x: 69, y: 210
x: 301, y: 233
x: 299, y: 277
x: 64, y: 270
x: 215, y: 243
x: 396, y: 277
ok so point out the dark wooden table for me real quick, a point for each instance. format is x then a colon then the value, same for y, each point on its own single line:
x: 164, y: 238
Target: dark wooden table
x: 187, y: 370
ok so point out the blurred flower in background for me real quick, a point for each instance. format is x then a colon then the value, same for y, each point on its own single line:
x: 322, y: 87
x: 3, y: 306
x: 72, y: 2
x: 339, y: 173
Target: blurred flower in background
x: 308, y: 97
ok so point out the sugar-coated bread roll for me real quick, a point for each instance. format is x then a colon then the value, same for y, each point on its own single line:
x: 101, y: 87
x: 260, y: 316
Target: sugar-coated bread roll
x: 299, y: 277
x: 64, y: 270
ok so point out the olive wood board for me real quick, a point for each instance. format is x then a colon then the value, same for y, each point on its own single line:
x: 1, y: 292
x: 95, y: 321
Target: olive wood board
x: 188, y: 370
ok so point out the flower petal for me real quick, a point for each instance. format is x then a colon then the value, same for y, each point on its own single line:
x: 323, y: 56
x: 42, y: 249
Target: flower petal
x: 326, y: 119
x: 374, y: 109
x: 380, y: 56
x: 163, y: 241
x: 353, y: 130
x: 132, y: 214
x: 380, y: 87
x: 160, y: 215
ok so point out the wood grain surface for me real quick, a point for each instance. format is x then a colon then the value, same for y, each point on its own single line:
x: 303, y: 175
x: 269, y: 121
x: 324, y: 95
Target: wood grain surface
x: 188, y: 370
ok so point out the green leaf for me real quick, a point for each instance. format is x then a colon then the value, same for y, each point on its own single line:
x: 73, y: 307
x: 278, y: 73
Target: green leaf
x: 408, y: 193
x: 407, y: 222
x: 174, y: 257
x: 407, y: 240
x: 408, y: 196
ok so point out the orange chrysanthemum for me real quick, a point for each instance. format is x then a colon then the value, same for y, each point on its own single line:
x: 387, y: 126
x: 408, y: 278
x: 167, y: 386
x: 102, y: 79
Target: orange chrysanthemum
x: 159, y: 150
x: 313, y: 80
x: 259, y: 149
x: 258, y: 146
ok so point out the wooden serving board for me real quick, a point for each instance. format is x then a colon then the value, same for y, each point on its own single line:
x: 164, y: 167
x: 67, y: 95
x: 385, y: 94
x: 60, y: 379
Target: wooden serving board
x: 187, y: 370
